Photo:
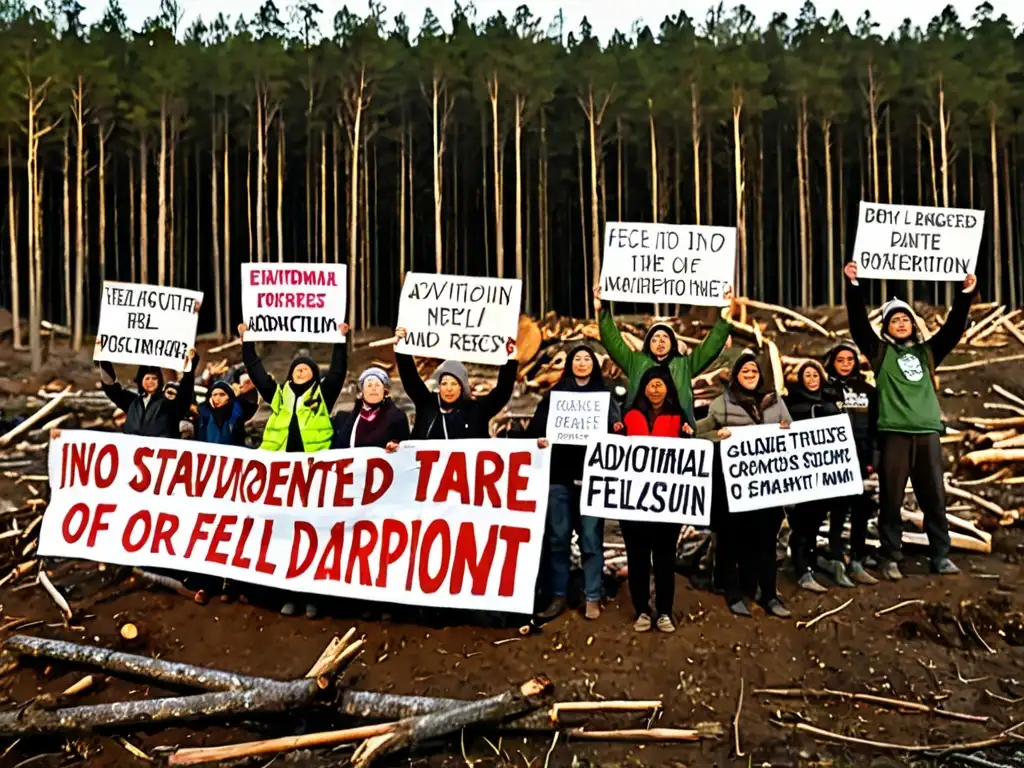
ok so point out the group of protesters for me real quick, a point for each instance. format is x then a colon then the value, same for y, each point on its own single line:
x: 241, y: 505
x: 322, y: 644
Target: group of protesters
x: 896, y: 422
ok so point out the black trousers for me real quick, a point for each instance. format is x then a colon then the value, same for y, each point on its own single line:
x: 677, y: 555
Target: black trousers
x: 804, y: 521
x: 919, y: 458
x: 858, y: 509
x: 745, y: 554
x: 648, y: 543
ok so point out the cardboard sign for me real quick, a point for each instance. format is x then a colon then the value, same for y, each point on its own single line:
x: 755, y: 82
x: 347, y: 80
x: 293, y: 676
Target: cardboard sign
x: 472, y: 319
x: 147, y: 324
x: 574, y: 416
x: 294, y: 302
x: 676, y: 263
x: 658, y: 479
x: 766, y: 466
x: 911, y: 242
x: 454, y: 524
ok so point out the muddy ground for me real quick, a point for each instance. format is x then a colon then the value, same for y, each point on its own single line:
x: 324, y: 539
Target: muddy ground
x: 927, y: 653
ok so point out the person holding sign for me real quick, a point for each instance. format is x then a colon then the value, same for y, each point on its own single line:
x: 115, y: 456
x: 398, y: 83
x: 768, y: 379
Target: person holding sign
x: 909, y: 416
x: 222, y: 417
x: 860, y: 402
x: 745, y: 557
x: 149, y: 412
x: 453, y: 413
x: 300, y: 409
x: 582, y: 374
x: 661, y: 347
x: 656, y: 412
x: 809, y: 398
x: 375, y: 421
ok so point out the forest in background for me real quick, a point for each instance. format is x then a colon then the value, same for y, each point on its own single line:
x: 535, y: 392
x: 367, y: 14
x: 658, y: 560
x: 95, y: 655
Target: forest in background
x: 172, y: 154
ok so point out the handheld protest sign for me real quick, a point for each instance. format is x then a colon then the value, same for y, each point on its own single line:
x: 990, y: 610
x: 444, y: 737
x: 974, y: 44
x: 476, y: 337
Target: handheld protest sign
x: 471, y: 319
x: 147, y: 325
x: 913, y: 242
x: 655, y: 479
x: 449, y: 524
x: 294, y: 302
x: 766, y: 466
x: 574, y: 416
x: 674, y: 263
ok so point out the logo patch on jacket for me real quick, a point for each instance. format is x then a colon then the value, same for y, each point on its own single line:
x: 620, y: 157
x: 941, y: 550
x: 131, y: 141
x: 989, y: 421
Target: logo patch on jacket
x: 911, y: 367
x: 855, y: 401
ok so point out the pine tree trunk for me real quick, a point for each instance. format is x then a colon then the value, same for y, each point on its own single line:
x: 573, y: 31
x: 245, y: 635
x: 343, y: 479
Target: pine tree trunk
x: 944, y: 150
x: 102, y: 137
x: 583, y: 221
x: 12, y: 234
x: 1007, y: 206
x: 161, y: 196
x: 131, y: 216
x: 741, y: 227
x: 438, y: 241
x: 542, y: 216
x: 801, y: 181
x: 218, y: 298
x: 226, y: 272
x: 323, y: 195
x: 759, y: 223
x: 499, y: 228
x: 66, y: 207
x: 366, y: 261
x: 248, y: 190
x: 280, y: 189
x: 518, y: 128
x: 34, y: 103
x: 826, y: 130
x: 412, y: 207
x: 695, y: 126
x: 595, y: 239
x: 355, y: 141
x: 401, y: 202
x: 80, y: 273
x: 335, y: 209
x: 708, y: 174
x: 172, y: 144
x: 655, y: 203
x: 997, y: 255
x: 842, y: 210
x: 780, y: 220
x: 144, y: 209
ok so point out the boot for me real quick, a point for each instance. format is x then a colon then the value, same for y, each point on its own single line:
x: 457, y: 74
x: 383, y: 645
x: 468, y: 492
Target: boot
x: 808, y: 582
x: 891, y: 571
x: 593, y: 611
x: 555, y: 608
x: 859, y: 574
x: 945, y: 567
x: 837, y: 570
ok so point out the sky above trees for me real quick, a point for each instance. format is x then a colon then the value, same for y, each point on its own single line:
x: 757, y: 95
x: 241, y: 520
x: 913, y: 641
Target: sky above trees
x: 604, y: 15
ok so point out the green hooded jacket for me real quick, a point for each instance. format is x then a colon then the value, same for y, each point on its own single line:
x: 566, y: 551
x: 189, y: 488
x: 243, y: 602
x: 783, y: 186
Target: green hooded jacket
x: 682, y: 366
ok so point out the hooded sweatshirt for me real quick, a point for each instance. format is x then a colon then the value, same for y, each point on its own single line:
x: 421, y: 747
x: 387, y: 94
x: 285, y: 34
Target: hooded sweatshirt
x: 904, y: 370
x: 641, y: 420
x: 328, y: 387
x: 468, y: 417
x: 741, y: 407
x: 225, y: 425
x: 152, y: 415
x: 803, y: 404
x: 567, y: 460
x: 859, y: 399
x: 683, y: 366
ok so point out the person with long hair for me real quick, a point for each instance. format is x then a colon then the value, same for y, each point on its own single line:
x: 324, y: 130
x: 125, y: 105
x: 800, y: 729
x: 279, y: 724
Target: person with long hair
x: 375, y: 420
x: 582, y: 373
x: 909, y: 416
x: 452, y: 413
x: 745, y: 567
x: 656, y: 412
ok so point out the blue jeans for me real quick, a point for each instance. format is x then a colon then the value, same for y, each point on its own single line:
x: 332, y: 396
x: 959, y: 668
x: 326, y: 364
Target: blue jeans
x: 563, y: 509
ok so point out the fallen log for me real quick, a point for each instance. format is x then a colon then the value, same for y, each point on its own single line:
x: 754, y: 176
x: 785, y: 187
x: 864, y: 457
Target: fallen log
x: 986, y: 322
x: 744, y: 301
x: 979, y: 363
x: 993, y: 456
x: 172, y: 584
x: 867, y: 698
x: 814, y: 731
x: 958, y: 540
x: 516, y: 701
x: 222, y: 347
x: 84, y: 719
x: 169, y: 673
x: 39, y: 415
x: 917, y: 518
x: 1008, y: 395
x: 700, y: 733
x: 603, y: 706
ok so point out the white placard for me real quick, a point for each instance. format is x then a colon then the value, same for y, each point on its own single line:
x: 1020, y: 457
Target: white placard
x: 676, y: 263
x: 453, y: 524
x: 147, y: 324
x: 472, y: 319
x: 574, y: 416
x: 657, y: 479
x: 294, y: 302
x: 912, y: 242
x: 766, y: 466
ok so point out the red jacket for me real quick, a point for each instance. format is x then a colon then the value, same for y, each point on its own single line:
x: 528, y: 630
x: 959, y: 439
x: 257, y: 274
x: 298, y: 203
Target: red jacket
x: 664, y: 426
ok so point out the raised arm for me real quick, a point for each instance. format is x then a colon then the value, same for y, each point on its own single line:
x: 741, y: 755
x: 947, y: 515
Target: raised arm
x: 615, y: 345
x: 262, y: 380
x: 186, y: 387
x: 705, y: 353
x: 861, y: 332
x: 411, y: 381
x: 112, y: 389
x: 498, y: 398
x: 944, y: 340
x: 332, y: 383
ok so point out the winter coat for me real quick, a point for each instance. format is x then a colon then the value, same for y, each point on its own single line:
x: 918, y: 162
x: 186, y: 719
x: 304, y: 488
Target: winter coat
x: 804, y: 404
x: 727, y: 411
x: 225, y: 425
x: 389, y: 425
x: 860, y: 402
x: 155, y: 415
x: 470, y: 417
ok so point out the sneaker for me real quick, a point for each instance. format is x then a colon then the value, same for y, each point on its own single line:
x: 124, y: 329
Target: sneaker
x: 859, y: 574
x: 642, y: 623
x: 739, y: 608
x: 665, y: 624
x: 555, y: 608
x: 945, y: 567
x: 808, y: 582
x: 593, y: 611
x: 777, y: 609
x: 837, y: 570
x: 311, y: 611
x: 288, y: 609
x: 891, y: 571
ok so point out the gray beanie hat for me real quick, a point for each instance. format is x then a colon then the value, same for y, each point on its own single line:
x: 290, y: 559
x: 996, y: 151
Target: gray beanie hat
x: 456, y: 370
x: 373, y: 372
x: 892, y: 306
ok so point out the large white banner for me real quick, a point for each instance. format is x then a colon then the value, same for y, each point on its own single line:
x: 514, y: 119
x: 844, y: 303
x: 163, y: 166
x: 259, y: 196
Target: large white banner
x: 472, y: 319
x: 455, y: 524
x: 294, y: 302
x: 657, y: 479
x: 574, y: 416
x: 912, y: 242
x: 767, y: 466
x: 147, y: 324
x: 676, y: 263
